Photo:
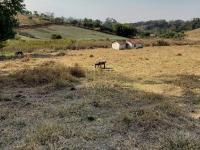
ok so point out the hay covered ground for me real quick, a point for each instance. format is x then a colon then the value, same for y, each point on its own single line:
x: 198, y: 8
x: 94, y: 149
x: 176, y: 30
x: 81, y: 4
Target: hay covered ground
x: 145, y: 99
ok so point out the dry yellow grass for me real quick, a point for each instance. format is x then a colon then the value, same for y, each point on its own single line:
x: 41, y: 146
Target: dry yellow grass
x: 142, y: 97
x: 193, y: 35
x: 147, y: 64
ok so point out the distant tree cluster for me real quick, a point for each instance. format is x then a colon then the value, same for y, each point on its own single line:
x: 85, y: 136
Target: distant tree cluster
x: 110, y: 25
x: 56, y: 36
x: 167, y: 29
x: 160, y: 28
x: 125, y: 30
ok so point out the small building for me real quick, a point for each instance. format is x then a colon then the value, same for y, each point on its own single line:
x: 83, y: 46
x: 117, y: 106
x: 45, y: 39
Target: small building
x: 119, y: 45
x: 152, y: 35
x: 128, y: 44
x: 134, y: 44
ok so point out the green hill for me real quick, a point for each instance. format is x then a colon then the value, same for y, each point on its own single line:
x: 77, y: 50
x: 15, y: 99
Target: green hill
x: 36, y: 27
x: 68, y: 32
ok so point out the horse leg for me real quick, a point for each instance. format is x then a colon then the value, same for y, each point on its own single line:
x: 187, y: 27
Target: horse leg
x: 101, y: 66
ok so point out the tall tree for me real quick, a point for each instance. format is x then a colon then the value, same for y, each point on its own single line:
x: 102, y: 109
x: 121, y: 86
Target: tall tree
x: 8, y: 12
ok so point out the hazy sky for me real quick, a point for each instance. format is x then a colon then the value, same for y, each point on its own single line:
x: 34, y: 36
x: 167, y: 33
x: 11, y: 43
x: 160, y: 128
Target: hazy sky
x: 121, y: 10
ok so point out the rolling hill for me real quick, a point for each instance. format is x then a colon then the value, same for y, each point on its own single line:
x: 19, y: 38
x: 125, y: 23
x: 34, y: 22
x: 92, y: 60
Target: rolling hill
x: 35, y: 27
x: 193, y: 35
x: 68, y: 32
x: 26, y: 20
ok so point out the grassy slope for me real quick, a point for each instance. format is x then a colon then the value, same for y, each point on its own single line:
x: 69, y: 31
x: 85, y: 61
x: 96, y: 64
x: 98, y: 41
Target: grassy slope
x: 69, y: 32
x: 24, y: 20
x: 193, y: 35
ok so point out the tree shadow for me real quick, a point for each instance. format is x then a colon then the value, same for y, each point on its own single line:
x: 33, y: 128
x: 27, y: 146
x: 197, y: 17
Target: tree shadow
x: 148, y: 115
x: 116, y: 109
x: 190, y: 84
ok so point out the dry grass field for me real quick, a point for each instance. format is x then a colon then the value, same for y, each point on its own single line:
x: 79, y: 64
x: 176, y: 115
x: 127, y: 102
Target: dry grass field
x: 145, y: 99
x: 193, y: 35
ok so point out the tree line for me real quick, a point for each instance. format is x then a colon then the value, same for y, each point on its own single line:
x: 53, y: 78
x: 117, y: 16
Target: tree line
x: 110, y: 26
x: 161, y: 28
x: 167, y: 29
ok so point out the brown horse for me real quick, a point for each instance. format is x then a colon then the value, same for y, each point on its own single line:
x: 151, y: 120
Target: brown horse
x: 100, y: 64
x: 19, y: 53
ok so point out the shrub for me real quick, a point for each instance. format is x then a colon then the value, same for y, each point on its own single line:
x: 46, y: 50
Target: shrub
x: 179, y: 54
x: 90, y: 118
x: 49, y: 73
x: 77, y: 71
x: 56, y: 36
x: 161, y: 43
x: 145, y: 34
x: 91, y: 56
x: 174, y: 35
x: 46, y: 133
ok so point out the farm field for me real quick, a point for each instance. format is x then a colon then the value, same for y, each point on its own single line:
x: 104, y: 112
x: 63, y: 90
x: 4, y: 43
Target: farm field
x: 68, y: 32
x: 145, y: 99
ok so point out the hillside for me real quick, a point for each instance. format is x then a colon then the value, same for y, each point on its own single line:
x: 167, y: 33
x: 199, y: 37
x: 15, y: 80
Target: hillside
x: 69, y: 32
x: 26, y: 20
x: 35, y: 27
x: 193, y: 35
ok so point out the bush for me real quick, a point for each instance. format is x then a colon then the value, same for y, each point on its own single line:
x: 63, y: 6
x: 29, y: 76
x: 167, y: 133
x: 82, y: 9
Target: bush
x: 77, y: 71
x: 56, y: 36
x: 174, y: 35
x: 49, y: 73
x: 161, y: 43
x: 46, y: 133
x: 145, y: 34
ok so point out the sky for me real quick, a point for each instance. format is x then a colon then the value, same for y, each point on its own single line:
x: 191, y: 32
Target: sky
x: 122, y: 10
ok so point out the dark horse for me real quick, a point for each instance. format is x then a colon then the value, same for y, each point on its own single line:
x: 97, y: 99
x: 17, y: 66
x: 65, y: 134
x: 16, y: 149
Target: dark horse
x: 19, y: 53
x: 100, y: 64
